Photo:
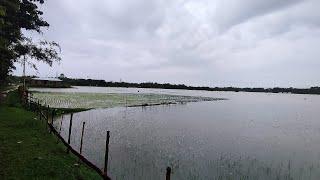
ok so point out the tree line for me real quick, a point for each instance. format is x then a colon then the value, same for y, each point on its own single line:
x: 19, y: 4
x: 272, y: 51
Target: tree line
x: 103, y: 83
x: 17, y: 17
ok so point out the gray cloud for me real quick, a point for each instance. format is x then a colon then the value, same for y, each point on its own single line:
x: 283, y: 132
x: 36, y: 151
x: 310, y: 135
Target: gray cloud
x: 197, y: 42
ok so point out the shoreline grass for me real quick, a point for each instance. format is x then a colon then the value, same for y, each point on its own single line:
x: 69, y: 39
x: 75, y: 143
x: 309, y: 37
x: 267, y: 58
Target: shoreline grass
x: 28, y: 151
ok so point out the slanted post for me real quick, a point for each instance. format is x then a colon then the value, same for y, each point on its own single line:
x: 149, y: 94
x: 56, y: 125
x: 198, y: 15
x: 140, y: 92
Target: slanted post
x: 52, y: 116
x: 70, y: 127
x: 46, y: 116
x: 60, y: 124
x: 168, y: 174
x: 81, y: 141
x: 106, y: 154
x: 48, y: 110
x: 39, y: 109
x: 30, y: 107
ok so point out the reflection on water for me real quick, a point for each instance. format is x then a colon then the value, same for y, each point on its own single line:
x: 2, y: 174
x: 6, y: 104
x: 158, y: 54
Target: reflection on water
x: 249, y: 136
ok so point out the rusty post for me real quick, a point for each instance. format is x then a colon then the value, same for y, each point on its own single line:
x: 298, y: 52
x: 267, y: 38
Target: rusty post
x: 81, y: 141
x: 106, y: 154
x: 70, y: 127
x: 168, y: 174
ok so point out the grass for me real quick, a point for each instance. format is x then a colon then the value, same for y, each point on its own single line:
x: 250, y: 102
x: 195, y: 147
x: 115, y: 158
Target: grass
x: 28, y: 151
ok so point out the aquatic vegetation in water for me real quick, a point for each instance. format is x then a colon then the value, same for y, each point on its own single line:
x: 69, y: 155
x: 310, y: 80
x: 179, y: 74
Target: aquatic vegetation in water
x: 107, y: 100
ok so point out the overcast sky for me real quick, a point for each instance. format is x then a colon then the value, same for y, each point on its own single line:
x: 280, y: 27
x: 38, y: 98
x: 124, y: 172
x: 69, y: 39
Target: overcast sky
x: 254, y: 43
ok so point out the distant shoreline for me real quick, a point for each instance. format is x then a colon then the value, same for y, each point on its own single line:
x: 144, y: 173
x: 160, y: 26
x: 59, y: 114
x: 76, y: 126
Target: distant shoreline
x: 103, y: 83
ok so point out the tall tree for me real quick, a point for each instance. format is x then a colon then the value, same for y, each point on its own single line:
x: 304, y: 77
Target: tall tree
x: 15, y: 16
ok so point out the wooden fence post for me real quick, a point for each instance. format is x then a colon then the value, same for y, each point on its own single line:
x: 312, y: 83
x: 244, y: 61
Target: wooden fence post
x: 46, y: 118
x: 70, y: 127
x: 106, y: 154
x: 48, y: 110
x: 28, y: 100
x: 52, y: 116
x: 168, y: 174
x: 81, y: 141
x: 60, y: 125
x: 39, y: 110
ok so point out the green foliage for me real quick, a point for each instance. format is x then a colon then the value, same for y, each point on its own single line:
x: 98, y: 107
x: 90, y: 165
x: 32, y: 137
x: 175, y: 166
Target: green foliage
x: 13, y: 99
x: 28, y: 151
x: 15, y: 16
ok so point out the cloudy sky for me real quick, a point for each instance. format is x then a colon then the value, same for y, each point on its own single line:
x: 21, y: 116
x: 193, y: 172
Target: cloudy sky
x: 255, y: 43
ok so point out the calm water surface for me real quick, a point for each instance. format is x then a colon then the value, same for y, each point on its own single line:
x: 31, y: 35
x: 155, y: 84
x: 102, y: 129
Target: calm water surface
x: 248, y: 136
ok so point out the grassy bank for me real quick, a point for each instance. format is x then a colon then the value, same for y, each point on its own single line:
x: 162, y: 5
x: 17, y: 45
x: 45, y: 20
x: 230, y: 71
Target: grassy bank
x: 28, y: 151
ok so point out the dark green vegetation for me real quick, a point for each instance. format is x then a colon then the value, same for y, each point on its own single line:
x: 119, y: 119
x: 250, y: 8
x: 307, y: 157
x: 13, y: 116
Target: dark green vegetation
x: 103, y: 83
x: 28, y: 151
x: 16, y: 16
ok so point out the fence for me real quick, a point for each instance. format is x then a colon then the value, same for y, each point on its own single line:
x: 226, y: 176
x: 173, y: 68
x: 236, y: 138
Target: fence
x: 45, y: 113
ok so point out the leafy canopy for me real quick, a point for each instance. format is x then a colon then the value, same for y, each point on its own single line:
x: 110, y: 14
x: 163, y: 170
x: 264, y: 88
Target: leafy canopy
x: 16, y: 16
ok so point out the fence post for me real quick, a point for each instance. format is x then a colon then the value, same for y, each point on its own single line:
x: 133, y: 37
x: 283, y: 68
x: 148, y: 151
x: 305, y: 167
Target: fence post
x: 48, y: 110
x: 39, y: 110
x: 168, y: 173
x: 59, y: 130
x: 106, y: 154
x: 60, y: 124
x: 81, y: 141
x: 52, y: 116
x: 28, y: 100
x: 70, y: 127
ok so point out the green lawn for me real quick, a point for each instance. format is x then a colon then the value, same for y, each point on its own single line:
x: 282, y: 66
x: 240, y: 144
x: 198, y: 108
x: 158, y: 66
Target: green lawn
x: 28, y: 151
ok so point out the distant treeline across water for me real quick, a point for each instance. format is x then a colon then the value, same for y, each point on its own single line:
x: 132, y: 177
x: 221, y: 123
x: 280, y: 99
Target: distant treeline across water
x: 103, y: 83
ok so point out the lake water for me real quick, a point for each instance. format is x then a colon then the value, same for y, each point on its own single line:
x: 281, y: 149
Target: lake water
x: 249, y: 136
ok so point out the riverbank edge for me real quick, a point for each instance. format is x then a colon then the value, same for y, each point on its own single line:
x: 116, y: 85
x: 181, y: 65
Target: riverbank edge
x: 28, y: 151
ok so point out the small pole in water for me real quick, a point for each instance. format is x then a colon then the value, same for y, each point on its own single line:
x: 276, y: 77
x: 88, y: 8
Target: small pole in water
x: 168, y: 173
x: 106, y: 154
x: 81, y: 141
x: 70, y: 127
